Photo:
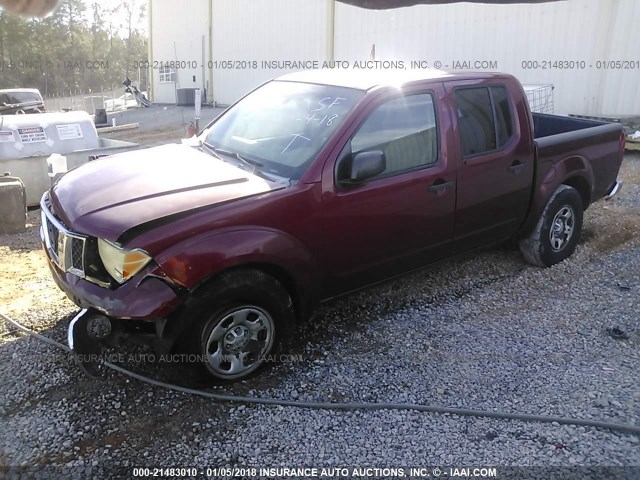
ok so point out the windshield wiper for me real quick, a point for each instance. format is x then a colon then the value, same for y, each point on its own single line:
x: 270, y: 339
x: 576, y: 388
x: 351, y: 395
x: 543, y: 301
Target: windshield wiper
x: 216, y: 151
x: 248, y: 161
x: 211, y: 149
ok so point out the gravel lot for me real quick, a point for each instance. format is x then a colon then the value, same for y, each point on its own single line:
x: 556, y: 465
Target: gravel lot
x: 485, y: 331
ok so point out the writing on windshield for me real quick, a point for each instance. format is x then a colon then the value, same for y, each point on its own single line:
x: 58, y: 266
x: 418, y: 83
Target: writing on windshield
x: 283, y: 125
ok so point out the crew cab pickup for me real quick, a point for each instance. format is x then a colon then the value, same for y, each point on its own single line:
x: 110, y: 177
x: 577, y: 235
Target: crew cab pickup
x: 311, y: 186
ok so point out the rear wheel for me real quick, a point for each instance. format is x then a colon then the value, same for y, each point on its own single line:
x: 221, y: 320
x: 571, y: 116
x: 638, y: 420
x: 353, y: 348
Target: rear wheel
x: 558, y: 231
x: 237, y: 322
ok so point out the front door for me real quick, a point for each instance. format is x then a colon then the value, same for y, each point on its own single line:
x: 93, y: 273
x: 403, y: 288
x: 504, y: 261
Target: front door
x: 392, y: 222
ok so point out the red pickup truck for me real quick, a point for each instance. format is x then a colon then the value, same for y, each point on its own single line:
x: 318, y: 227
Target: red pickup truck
x: 311, y: 186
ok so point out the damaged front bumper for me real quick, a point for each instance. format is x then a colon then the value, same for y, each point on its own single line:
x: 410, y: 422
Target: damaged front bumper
x: 149, y: 295
x: 146, y: 297
x: 91, y: 334
x: 138, y: 309
x: 85, y: 347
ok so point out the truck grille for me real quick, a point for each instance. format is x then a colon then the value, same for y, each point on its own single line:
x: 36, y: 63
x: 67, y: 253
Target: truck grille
x: 53, y: 235
x: 66, y: 248
x: 77, y: 254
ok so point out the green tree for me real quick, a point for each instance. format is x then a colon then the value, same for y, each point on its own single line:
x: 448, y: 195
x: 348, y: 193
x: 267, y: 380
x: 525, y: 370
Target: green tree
x: 72, y: 50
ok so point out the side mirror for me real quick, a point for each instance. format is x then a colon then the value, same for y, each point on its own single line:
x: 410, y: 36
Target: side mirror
x: 365, y: 165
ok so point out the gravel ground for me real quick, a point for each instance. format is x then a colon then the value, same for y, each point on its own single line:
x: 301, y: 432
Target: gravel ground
x: 484, y: 331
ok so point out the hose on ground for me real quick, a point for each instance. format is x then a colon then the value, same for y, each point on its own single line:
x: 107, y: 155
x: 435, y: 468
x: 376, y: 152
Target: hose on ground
x: 628, y: 428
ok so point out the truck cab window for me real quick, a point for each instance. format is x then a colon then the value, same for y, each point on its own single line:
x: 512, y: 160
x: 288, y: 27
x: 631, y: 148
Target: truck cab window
x: 475, y: 120
x: 404, y: 128
x: 484, y: 119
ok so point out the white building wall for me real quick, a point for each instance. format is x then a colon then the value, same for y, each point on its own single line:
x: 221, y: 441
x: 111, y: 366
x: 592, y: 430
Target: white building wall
x: 589, y: 30
x: 263, y: 30
x: 258, y: 30
x: 176, y: 31
x: 621, y: 88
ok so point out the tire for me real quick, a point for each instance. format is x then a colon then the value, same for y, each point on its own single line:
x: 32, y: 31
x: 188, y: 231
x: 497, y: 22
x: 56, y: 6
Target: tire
x: 237, y: 322
x: 558, y: 231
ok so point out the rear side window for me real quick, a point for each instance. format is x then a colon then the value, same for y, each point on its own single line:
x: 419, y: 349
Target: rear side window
x: 404, y: 128
x: 484, y: 119
x: 504, y: 120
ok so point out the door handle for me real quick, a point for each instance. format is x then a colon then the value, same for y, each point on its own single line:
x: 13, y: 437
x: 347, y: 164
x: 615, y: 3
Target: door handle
x: 516, y: 166
x: 440, y: 187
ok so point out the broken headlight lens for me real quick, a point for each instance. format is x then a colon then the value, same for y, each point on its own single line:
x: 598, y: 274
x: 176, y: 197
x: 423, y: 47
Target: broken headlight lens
x: 121, y: 264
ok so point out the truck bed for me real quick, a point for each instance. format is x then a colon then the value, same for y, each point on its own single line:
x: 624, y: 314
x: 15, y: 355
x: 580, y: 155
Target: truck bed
x: 594, y: 145
x: 545, y: 125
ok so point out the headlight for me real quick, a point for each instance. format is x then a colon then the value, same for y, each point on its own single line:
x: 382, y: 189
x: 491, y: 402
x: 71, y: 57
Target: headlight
x: 120, y: 263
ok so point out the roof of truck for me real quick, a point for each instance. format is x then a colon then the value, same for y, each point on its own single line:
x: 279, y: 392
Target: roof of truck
x: 366, y: 79
x: 13, y: 90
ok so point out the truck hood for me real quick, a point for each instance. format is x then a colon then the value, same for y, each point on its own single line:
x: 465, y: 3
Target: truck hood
x: 107, y: 197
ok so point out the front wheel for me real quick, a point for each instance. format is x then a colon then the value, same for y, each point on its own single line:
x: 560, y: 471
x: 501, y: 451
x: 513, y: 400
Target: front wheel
x: 558, y: 231
x: 237, y: 322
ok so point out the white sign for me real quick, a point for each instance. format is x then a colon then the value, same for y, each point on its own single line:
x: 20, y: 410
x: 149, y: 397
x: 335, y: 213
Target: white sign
x: 69, y: 131
x: 32, y: 135
x: 6, y: 136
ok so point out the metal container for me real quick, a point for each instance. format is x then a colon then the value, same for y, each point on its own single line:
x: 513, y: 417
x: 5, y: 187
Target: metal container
x: 13, y: 205
x: 23, y: 136
x: 27, y: 141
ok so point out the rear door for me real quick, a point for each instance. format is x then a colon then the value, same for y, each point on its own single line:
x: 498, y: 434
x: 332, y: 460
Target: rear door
x: 495, y: 158
x: 396, y: 220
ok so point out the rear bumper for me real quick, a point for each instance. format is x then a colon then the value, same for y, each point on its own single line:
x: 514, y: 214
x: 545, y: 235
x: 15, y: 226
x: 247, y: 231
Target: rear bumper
x: 613, y: 190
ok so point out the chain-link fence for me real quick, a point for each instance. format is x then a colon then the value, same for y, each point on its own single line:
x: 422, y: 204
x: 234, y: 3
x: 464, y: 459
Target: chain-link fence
x: 110, y: 100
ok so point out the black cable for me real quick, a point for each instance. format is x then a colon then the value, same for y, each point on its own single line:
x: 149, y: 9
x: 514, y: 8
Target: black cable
x: 342, y: 406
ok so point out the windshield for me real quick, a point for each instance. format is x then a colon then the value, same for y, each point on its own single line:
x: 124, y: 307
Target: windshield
x: 283, y: 125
